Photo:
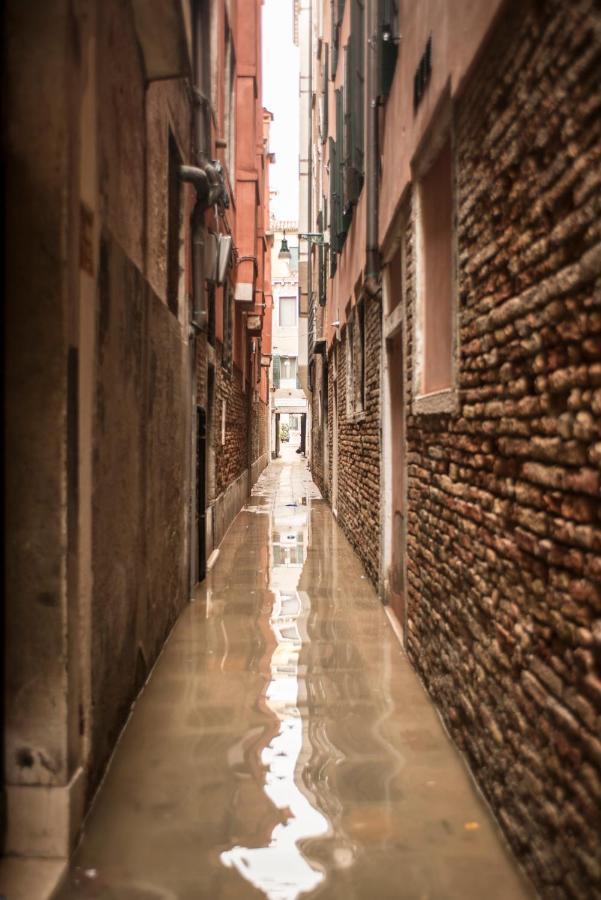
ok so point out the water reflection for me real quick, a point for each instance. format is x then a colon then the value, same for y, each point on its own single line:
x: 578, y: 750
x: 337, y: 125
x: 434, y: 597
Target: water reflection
x: 280, y: 869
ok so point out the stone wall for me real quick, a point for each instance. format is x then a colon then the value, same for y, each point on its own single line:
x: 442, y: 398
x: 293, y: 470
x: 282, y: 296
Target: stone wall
x: 359, y: 447
x: 504, y: 519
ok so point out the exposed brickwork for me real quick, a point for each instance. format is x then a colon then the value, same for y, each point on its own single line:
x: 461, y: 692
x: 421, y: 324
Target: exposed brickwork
x: 359, y: 448
x: 504, y: 519
x: 259, y: 428
x: 318, y: 434
x: 231, y: 458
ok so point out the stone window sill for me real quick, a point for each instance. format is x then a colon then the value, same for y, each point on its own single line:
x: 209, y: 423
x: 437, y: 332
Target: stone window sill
x: 357, y: 418
x: 445, y: 401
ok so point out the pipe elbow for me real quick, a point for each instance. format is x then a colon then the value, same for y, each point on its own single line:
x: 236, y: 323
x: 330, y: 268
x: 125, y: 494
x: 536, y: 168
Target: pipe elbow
x: 372, y: 286
x: 197, y: 177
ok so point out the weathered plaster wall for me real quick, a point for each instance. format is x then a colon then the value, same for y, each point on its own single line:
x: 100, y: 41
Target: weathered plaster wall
x: 140, y: 481
x: 504, y: 543
x: 142, y: 416
x: 41, y: 203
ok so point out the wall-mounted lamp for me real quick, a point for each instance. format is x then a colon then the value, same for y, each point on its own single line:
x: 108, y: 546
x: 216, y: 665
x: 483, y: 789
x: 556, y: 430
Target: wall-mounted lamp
x: 284, y: 250
x: 314, y: 237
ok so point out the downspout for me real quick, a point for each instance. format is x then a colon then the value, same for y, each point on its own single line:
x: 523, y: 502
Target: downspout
x: 198, y: 177
x: 209, y: 190
x: 372, y: 283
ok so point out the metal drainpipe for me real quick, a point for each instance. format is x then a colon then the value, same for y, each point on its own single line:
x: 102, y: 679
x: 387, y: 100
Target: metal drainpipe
x: 198, y: 177
x: 372, y: 284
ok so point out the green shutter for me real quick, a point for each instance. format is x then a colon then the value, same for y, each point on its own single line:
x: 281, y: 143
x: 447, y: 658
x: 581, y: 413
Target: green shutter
x: 333, y: 160
x: 333, y: 39
x: 340, y: 226
x: 276, y: 371
x: 347, y: 130
x: 325, y: 119
x: 388, y: 34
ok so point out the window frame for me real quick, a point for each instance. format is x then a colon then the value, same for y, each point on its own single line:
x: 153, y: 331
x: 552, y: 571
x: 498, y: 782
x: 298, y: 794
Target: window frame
x: 443, y: 400
x: 356, y: 361
x: 294, y: 307
x: 175, y: 236
x: 227, y: 353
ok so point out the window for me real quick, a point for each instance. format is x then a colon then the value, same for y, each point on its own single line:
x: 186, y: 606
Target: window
x: 229, y: 123
x: 174, y: 237
x: 354, y: 99
x: 388, y: 26
x: 355, y: 361
x: 324, y: 96
x: 287, y: 312
x: 435, y: 271
x: 228, y: 327
x: 288, y: 368
x: 211, y: 315
x: 336, y: 13
x: 202, y: 73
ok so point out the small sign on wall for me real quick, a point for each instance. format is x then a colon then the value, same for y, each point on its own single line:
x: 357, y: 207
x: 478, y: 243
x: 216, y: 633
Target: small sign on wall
x: 86, y: 239
x: 223, y: 417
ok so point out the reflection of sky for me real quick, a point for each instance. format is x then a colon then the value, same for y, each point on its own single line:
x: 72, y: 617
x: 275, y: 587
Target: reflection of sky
x: 281, y: 870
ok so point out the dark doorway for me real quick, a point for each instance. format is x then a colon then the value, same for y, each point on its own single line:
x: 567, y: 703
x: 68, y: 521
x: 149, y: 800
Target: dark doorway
x: 201, y: 492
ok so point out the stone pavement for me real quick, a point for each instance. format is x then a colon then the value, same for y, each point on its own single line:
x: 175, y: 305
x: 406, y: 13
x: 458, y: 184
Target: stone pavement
x: 283, y: 745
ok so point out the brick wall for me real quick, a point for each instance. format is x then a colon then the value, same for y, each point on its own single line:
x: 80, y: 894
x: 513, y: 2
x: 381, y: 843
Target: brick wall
x: 318, y: 434
x: 504, y: 519
x: 259, y: 428
x: 359, y: 448
x: 231, y: 458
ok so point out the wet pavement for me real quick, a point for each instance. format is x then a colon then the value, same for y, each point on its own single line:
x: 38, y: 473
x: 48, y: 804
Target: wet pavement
x: 283, y: 746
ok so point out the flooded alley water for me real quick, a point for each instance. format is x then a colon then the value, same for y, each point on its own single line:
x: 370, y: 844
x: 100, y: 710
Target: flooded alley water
x: 283, y: 746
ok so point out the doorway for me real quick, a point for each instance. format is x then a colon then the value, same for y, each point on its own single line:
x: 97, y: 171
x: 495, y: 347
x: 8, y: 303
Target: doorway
x: 397, y: 520
x: 324, y: 424
x: 335, y: 429
x: 201, y: 492
x: 394, y: 486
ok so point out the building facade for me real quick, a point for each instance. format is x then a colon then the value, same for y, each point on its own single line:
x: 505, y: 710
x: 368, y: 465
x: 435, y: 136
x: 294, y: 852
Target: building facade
x: 288, y: 401
x: 138, y: 309
x: 454, y: 359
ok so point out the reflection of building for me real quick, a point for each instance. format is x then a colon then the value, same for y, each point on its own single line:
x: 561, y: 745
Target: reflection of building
x: 448, y: 272
x: 288, y: 402
x: 280, y: 868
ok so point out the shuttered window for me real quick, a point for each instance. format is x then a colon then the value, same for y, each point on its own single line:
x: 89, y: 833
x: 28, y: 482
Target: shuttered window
x: 354, y: 115
x: 339, y: 221
x: 336, y: 14
x: 324, y: 98
x: 388, y: 28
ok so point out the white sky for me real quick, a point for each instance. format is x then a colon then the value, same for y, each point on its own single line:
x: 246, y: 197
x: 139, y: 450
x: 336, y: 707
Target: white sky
x: 280, y: 96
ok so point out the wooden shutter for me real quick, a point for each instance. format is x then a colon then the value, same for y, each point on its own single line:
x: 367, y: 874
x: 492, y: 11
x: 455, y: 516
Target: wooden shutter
x: 354, y: 113
x: 340, y: 225
x: 324, y: 111
x: 333, y: 158
x: 388, y: 34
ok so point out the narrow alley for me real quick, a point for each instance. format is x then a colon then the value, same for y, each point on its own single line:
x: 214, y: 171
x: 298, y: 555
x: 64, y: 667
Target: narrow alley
x: 302, y: 314
x: 283, y: 746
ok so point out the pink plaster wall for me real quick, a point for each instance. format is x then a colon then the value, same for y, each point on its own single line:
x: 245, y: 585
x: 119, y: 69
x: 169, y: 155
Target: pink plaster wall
x: 456, y: 38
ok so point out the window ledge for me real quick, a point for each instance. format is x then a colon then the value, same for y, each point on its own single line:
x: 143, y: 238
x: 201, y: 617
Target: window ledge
x: 357, y: 417
x: 445, y: 401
